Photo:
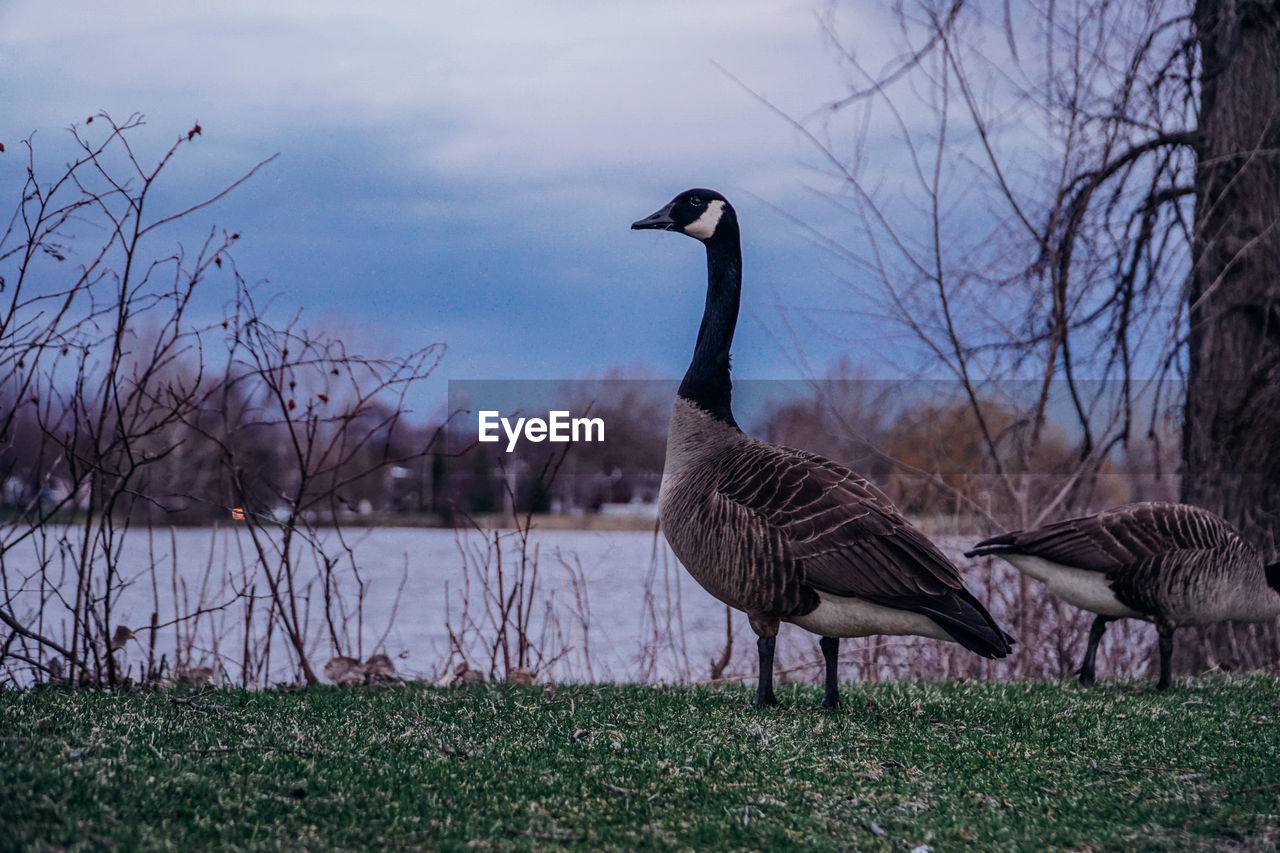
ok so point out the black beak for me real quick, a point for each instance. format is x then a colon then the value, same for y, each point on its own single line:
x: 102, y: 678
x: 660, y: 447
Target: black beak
x: 662, y: 219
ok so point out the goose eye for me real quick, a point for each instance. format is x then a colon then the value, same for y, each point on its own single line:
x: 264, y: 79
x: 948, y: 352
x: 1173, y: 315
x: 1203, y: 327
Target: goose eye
x: 696, y: 201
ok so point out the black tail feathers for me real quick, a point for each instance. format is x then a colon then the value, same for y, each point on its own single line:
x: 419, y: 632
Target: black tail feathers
x: 1002, y: 544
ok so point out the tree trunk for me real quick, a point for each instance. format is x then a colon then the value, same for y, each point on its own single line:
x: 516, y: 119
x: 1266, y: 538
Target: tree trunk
x: 1231, y: 439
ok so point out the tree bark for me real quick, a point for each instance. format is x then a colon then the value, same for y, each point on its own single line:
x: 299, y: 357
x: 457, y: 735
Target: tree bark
x: 1231, y: 433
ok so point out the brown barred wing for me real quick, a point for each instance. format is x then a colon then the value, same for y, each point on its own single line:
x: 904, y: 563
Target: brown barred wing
x: 1116, y: 539
x: 849, y: 540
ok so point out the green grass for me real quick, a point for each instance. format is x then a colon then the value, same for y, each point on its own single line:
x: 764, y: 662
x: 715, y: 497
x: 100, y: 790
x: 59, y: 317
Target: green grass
x: 983, y: 766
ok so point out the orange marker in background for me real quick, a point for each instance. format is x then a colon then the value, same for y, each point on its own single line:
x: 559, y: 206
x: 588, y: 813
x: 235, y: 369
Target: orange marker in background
x: 237, y: 513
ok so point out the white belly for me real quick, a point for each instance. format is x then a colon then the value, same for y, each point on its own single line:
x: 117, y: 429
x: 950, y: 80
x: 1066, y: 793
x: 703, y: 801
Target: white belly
x: 1080, y: 587
x: 837, y: 616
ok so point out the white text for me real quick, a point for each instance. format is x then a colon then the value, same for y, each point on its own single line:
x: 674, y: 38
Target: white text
x: 558, y: 427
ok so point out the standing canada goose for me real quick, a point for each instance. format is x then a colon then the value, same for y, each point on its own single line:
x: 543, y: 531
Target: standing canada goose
x: 782, y: 534
x: 1171, y: 564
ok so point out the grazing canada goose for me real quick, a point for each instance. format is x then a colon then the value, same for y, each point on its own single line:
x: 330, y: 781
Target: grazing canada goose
x: 1171, y: 564
x: 782, y: 534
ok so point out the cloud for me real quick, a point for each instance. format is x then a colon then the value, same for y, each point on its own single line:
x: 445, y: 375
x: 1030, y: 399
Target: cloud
x: 525, y: 90
x: 456, y: 171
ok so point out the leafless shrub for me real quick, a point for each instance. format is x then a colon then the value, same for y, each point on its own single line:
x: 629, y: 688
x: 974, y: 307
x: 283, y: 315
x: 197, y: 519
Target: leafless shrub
x: 579, y: 639
x: 513, y: 630
x: 90, y: 402
x: 665, y: 643
x: 333, y: 417
x: 116, y: 416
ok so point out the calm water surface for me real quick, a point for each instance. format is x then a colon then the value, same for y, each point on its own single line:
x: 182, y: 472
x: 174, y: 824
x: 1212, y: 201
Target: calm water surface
x: 605, y: 605
x: 601, y: 606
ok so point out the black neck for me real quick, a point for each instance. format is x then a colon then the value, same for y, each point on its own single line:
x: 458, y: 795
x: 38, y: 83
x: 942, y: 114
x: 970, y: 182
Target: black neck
x: 1273, y: 576
x: 706, y: 382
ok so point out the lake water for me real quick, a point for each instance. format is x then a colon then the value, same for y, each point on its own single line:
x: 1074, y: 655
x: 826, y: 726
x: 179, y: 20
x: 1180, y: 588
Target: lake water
x: 598, y: 606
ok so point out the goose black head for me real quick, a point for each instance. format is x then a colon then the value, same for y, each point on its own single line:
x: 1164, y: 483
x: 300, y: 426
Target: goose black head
x: 702, y: 214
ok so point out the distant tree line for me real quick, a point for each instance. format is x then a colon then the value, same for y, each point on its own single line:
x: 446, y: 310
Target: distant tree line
x: 283, y: 448
x: 919, y: 441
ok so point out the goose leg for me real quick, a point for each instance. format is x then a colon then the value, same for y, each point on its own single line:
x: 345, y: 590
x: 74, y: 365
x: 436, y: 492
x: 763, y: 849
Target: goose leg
x: 1166, y: 655
x: 764, y: 687
x: 1091, y: 650
x: 831, y: 654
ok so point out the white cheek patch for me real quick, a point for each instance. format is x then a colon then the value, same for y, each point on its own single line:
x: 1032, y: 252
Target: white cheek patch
x: 705, y: 225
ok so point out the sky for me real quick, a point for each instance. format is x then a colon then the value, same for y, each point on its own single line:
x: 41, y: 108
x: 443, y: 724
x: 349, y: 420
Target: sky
x: 467, y: 173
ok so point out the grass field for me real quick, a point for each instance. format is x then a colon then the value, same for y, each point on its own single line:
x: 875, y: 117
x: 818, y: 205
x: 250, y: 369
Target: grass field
x: 981, y: 766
